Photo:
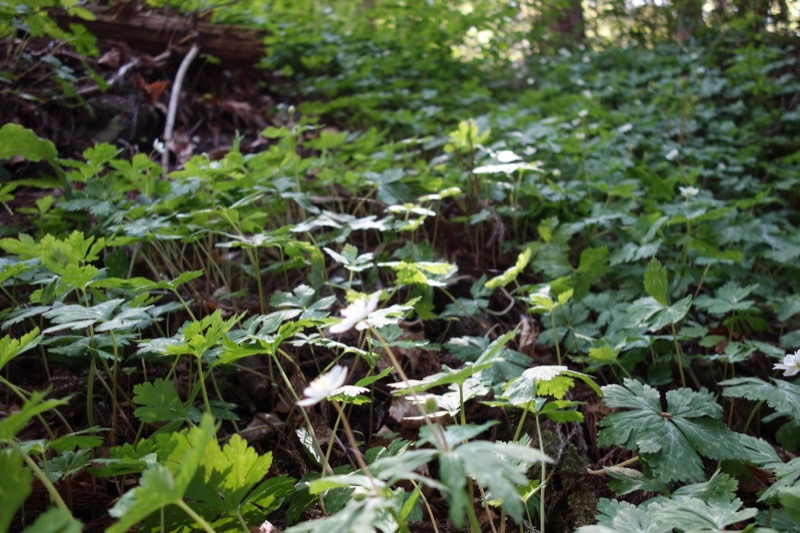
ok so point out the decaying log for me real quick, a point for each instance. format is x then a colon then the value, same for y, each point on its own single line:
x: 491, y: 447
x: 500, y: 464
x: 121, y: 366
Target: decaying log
x: 153, y: 32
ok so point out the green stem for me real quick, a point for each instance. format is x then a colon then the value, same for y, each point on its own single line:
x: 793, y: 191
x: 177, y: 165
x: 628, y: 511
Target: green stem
x: 543, y: 477
x: 55, y: 497
x: 678, y: 354
x: 194, y: 516
x: 555, y: 335
x: 309, y: 427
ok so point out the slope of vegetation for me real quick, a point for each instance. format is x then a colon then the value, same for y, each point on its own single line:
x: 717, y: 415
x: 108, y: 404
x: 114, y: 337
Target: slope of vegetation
x: 459, y: 280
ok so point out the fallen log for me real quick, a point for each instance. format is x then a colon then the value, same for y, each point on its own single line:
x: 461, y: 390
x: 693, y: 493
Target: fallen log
x: 154, y: 32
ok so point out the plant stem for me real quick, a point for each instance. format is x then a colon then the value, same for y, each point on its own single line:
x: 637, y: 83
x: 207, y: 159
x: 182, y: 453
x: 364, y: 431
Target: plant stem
x: 543, y: 476
x: 55, y: 497
x: 678, y: 354
x: 194, y: 516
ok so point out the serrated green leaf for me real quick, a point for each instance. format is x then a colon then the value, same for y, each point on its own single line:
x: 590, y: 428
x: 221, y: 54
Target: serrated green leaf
x: 55, y: 520
x: 511, y: 274
x: 790, y: 499
x: 14, y: 422
x: 15, y: 486
x: 672, y: 441
x: 159, y: 402
x: 782, y: 396
x: 11, y: 347
x: 623, y: 517
x: 693, y: 514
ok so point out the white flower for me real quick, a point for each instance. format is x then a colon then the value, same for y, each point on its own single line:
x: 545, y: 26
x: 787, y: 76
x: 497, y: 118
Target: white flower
x: 355, y: 314
x: 671, y: 155
x: 583, y: 113
x: 625, y: 128
x: 688, y: 192
x: 506, y: 156
x: 544, y: 372
x: 330, y: 384
x: 790, y: 364
x: 580, y: 136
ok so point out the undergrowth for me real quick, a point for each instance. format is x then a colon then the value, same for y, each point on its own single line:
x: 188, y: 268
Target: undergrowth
x: 411, y: 316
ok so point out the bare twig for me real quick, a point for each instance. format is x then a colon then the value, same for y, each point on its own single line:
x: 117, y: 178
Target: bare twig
x: 174, y: 98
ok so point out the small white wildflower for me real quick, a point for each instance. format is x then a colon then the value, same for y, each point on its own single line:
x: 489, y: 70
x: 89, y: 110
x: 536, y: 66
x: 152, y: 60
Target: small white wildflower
x: 530, y: 81
x: 689, y: 192
x: 790, y: 364
x: 580, y: 136
x: 556, y: 173
x: 158, y: 146
x: 580, y: 83
x: 355, y: 314
x: 575, y: 122
x: 544, y: 372
x: 506, y: 156
x: 671, y: 155
x: 325, y: 385
x: 586, y: 93
x: 700, y: 70
x: 586, y: 59
x: 564, y: 52
x: 529, y: 150
x: 625, y: 128
x: 583, y: 113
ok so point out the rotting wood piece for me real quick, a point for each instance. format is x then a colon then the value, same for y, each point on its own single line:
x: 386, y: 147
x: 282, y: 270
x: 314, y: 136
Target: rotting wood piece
x: 153, y: 32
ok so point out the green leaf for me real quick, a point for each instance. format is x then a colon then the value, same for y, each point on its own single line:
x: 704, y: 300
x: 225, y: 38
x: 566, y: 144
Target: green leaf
x: 655, y: 282
x: 782, y: 396
x: 672, y: 441
x: 694, y: 514
x: 166, y: 483
x: 55, y: 520
x: 11, y: 347
x: 14, y: 422
x: 159, y: 402
x: 790, y: 499
x: 623, y: 517
x: 15, y: 486
x: 66, y: 464
x: 501, y: 467
x: 18, y: 141
x: 727, y: 299
x: 511, y: 274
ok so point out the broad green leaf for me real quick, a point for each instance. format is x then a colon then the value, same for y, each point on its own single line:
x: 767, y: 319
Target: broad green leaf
x: 694, y: 514
x: 166, y: 483
x: 671, y: 442
x: 782, y: 396
x: 66, y: 464
x: 501, y: 467
x: 511, y: 274
x: 11, y: 347
x: 18, y: 141
x: 448, y: 376
x: 159, y: 402
x: 15, y: 486
x: 243, y: 469
x: 727, y: 299
x: 655, y: 282
x: 55, y: 520
x: 156, y: 490
x: 790, y: 499
x: 36, y: 404
x: 623, y: 517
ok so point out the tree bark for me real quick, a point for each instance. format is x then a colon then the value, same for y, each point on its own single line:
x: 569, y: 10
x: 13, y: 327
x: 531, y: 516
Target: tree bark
x: 154, y: 32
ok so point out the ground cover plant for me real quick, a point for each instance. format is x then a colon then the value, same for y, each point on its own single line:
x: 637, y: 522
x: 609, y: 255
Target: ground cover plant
x: 459, y: 271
